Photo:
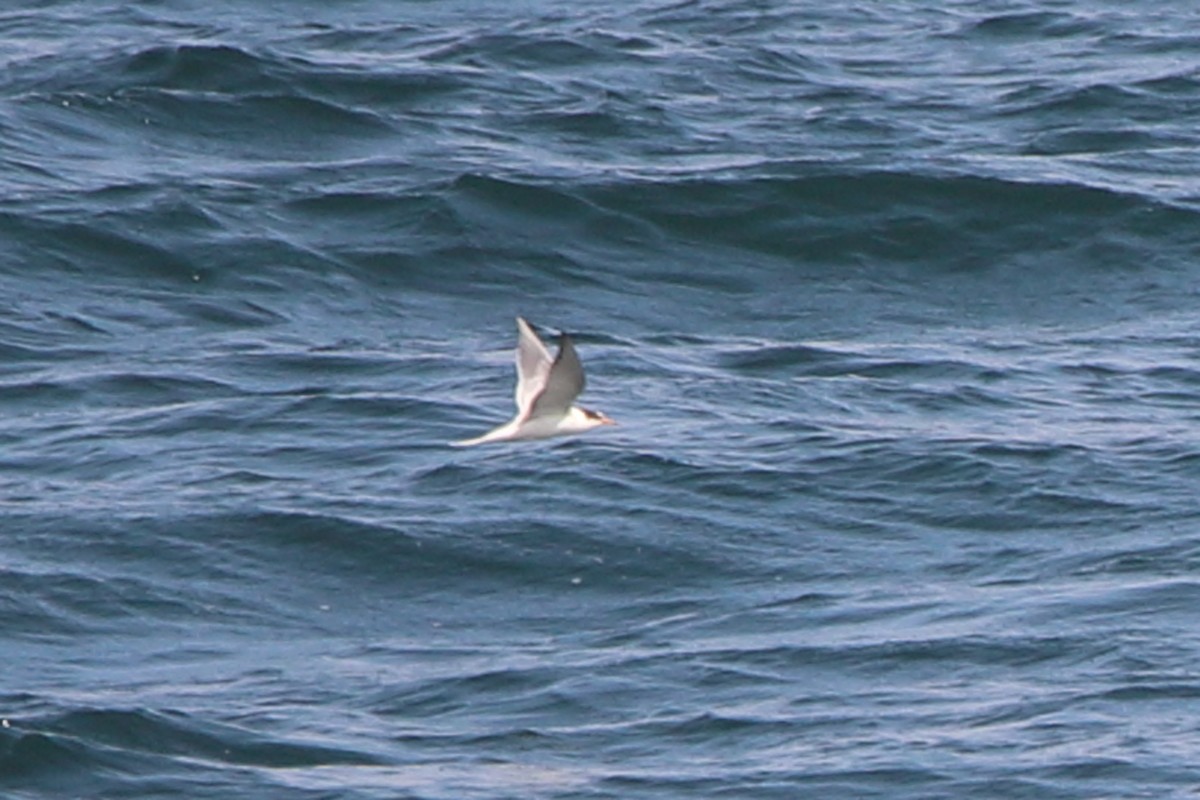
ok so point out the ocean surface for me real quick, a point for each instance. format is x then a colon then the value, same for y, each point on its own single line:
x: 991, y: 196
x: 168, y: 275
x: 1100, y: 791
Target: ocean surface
x: 897, y: 306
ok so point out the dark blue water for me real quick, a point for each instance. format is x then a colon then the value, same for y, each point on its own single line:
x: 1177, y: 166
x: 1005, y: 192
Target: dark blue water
x: 896, y: 305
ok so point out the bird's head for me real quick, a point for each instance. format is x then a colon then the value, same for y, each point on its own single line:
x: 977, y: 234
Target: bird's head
x: 597, y: 417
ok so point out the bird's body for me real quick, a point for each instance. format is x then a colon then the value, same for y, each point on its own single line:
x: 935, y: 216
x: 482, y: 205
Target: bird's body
x: 545, y: 394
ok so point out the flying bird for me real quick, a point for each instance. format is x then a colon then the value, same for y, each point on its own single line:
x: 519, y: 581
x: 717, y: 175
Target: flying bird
x: 545, y: 395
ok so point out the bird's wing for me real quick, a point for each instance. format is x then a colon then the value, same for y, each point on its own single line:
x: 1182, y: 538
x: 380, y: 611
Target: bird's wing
x: 533, y: 367
x: 563, y: 383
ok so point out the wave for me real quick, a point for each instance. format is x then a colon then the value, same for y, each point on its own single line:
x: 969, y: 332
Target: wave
x: 84, y: 749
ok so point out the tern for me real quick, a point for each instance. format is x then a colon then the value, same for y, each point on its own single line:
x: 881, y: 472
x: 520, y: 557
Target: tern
x: 546, y: 392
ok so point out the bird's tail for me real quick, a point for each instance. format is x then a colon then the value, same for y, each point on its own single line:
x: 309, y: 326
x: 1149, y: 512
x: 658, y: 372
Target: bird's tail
x: 491, y: 436
x: 469, y: 442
